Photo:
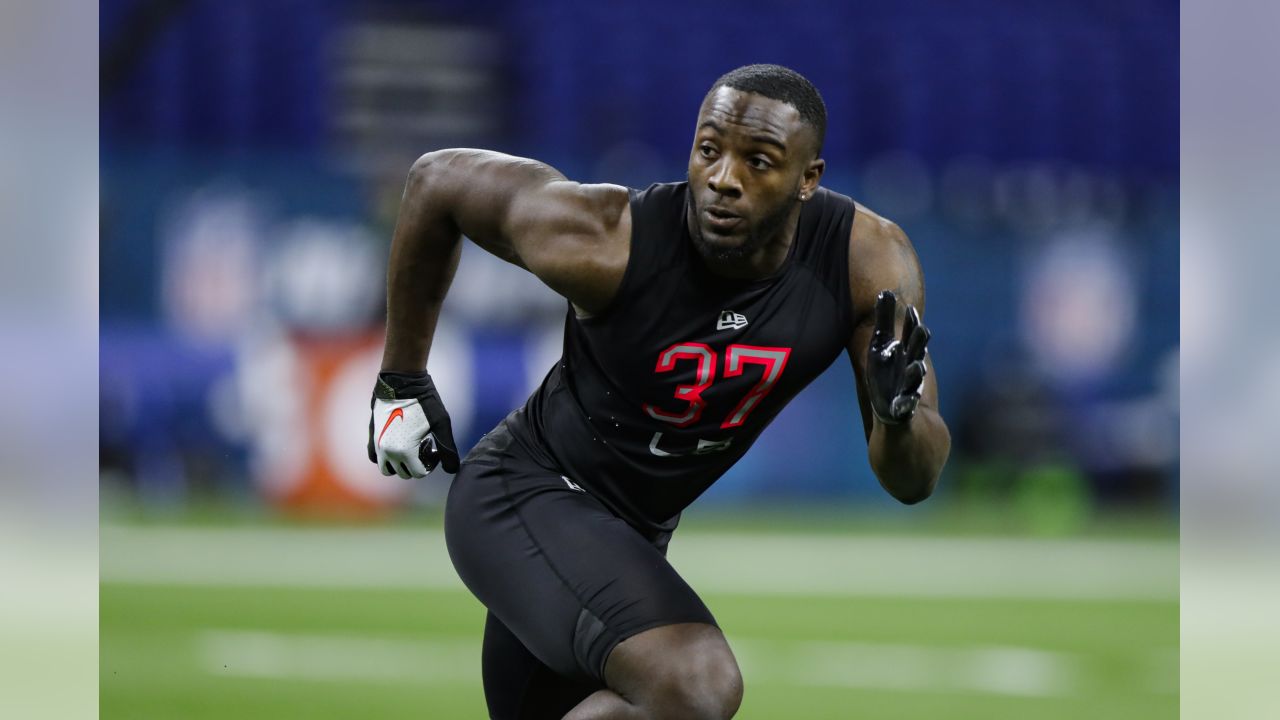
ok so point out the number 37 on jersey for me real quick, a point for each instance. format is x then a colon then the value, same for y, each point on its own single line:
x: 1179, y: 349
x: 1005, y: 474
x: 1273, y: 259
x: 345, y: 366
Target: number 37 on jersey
x: 688, y: 404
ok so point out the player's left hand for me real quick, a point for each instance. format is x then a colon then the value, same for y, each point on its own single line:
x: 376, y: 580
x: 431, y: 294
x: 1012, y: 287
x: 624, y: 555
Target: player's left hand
x: 896, y: 368
x: 414, y: 430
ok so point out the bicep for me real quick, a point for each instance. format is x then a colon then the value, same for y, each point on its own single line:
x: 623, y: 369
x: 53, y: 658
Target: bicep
x: 882, y: 258
x: 479, y: 191
x: 857, y: 351
x: 527, y: 213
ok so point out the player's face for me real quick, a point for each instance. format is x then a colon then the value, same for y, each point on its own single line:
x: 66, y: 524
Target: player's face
x: 752, y: 156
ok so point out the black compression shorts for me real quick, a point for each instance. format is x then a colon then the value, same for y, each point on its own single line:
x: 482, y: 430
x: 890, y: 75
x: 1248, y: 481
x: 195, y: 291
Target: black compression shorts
x: 566, y: 576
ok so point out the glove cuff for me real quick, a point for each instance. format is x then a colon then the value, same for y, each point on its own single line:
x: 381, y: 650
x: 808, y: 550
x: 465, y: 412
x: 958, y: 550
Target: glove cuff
x: 403, y: 386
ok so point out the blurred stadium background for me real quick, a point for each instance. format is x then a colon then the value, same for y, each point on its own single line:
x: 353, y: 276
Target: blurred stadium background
x: 254, y: 564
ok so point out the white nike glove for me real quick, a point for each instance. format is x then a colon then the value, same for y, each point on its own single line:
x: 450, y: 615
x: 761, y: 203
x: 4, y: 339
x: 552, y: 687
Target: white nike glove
x: 409, y: 429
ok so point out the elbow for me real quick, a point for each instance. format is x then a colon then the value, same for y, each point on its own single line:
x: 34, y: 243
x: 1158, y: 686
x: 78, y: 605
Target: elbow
x: 909, y: 490
x: 428, y: 166
x: 913, y: 498
x: 434, y: 181
x: 438, y: 165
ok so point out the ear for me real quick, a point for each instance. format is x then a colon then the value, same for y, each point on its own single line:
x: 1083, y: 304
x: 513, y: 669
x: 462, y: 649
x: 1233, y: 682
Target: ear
x: 812, y: 176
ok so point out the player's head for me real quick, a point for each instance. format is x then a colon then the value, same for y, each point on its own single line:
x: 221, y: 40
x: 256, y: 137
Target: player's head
x: 755, y: 156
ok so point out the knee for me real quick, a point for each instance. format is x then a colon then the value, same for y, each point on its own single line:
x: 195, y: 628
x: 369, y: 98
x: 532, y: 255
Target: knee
x: 701, y: 682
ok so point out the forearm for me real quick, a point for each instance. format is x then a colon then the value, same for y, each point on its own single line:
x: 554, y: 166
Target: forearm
x: 424, y: 256
x: 908, y: 458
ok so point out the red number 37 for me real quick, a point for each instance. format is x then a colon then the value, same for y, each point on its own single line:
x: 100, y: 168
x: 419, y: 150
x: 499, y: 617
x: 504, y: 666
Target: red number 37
x: 736, y: 357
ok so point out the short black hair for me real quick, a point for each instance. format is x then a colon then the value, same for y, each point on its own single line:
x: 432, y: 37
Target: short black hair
x: 782, y: 84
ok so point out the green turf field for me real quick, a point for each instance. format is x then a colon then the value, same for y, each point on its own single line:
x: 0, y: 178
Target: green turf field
x: 281, y: 623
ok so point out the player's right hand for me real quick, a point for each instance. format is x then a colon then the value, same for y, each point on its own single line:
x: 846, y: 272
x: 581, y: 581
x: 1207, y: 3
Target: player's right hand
x: 409, y: 429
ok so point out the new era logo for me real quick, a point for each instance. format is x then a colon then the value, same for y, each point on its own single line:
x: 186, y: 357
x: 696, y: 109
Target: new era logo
x: 730, y: 320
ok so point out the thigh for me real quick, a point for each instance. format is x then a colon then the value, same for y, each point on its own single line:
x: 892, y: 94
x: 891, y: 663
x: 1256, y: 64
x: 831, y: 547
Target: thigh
x: 569, y: 579
x: 518, y: 686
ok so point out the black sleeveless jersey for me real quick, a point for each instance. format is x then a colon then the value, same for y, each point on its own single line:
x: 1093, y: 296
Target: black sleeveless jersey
x: 655, y: 398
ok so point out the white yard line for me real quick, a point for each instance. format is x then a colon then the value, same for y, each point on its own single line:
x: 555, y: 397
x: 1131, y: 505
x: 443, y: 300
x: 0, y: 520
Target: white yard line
x: 930, y: 567
x: 233, y: 653
x: 1016, y: 671
x: 1004, y: 671
x: 731, y: 563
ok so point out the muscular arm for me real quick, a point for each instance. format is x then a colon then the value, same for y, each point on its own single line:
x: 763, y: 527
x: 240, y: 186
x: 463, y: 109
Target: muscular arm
x: 907, y: 458
x: 574, y: 237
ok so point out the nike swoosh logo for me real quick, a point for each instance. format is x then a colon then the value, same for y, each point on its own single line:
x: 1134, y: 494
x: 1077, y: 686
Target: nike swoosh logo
x: 397, y: 413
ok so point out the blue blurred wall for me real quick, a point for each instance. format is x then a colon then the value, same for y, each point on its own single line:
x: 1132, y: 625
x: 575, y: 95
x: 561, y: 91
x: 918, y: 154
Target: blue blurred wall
x: 1091, y: 81
x: 240, y: 92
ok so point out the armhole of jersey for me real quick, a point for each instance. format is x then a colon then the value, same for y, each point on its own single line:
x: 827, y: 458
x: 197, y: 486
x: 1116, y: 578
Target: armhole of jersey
x: 846, y: 233
x: 830, y: 265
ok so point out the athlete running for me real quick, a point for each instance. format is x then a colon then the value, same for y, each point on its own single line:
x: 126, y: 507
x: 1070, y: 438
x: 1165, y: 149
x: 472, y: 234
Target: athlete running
x: 697, y: 310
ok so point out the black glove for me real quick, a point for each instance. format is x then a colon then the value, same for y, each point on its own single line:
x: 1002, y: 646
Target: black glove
x: 413, y: 429
x: 896, y: 369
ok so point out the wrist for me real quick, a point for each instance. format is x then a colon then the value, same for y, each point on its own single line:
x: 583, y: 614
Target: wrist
x: 394, y: 385
x: 404, y: 352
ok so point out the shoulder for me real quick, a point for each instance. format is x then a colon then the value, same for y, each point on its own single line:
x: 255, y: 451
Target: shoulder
x: 881, y: 257
x: 573, y: 208
x: 873, y: 234
x: 605, y: 199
